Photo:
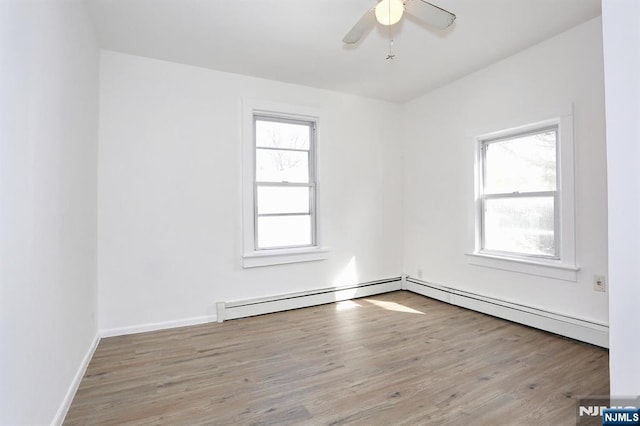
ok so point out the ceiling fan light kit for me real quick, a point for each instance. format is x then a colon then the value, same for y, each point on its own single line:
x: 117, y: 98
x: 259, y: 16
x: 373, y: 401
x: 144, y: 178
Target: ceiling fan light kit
x: 389, y: 12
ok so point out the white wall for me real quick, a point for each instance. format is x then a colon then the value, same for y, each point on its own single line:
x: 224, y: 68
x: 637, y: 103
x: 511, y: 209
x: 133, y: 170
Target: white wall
x: 170, y: 191
x: 621, y: 34
x: 439, y: 169
x: 48, y: 149
x: 169, y: 182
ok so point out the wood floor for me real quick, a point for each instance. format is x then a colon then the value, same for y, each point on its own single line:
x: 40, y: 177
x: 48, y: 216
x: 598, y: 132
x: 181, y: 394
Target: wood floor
x: 393, y: 359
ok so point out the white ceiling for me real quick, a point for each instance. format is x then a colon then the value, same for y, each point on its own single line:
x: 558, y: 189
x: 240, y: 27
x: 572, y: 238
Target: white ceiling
x: 299, y: 41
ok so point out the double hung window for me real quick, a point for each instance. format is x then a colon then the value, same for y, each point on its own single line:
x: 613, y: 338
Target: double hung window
x: 284, y: 183
x: 519, y: 196
x: 281, y: 223
x: 524, y: 204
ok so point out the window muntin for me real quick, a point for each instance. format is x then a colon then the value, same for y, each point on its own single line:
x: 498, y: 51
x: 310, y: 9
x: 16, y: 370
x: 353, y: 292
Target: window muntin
x: 519, y: 200
x: 284, y: 183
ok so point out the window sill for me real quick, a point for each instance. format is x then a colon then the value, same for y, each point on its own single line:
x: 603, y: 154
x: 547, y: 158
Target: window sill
x: 284, y: 256
x: 542, y: 268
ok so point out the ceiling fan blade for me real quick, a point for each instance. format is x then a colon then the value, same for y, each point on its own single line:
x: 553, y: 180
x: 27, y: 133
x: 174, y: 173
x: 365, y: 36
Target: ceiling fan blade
x: 364, y: 25
x: 429, y: 13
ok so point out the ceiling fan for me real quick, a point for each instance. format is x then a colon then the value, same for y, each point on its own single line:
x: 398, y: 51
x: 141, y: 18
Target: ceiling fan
x: 389, y: 12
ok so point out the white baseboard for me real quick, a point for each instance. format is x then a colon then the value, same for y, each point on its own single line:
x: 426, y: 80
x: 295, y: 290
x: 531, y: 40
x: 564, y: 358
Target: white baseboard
x: 75, y: 383
x: 284, y: 302
x: 575, y: 328
x: 142, y: 328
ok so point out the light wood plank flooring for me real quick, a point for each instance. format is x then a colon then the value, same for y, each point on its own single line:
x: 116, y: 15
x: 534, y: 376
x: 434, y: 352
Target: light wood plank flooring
x: 393, y: 359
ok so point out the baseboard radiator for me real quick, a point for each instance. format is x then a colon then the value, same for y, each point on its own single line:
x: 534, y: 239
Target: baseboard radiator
x: 575, y: 328
x: 266, y: 305
x: 564, y: 325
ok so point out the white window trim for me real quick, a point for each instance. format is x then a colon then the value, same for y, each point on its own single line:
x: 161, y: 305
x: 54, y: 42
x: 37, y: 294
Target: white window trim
x: 252, y: 257
x: 565, y: 267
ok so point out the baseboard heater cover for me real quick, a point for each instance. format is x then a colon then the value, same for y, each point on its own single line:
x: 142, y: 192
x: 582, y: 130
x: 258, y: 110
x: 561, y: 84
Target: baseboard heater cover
x: 575, y: 328
x: 285, y: 302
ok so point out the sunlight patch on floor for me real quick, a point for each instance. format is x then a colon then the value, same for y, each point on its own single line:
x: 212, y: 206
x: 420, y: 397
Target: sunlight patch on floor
x: 393, y: 306
x: 346, y: 305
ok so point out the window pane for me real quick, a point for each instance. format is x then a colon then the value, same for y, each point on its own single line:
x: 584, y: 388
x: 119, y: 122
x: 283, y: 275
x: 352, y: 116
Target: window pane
x: 275, y: 199
x: 281, y: 166
x: 284, y: 231
x: 275, y: 134
x: 520, y: 225
x: 523, y: 164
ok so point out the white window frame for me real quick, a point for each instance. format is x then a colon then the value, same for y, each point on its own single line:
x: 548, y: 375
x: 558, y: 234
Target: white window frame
x: 253, y: 257
x: 563, y: 264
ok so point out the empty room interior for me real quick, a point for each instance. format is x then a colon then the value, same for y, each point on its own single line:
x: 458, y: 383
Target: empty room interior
x: 318, y: 212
